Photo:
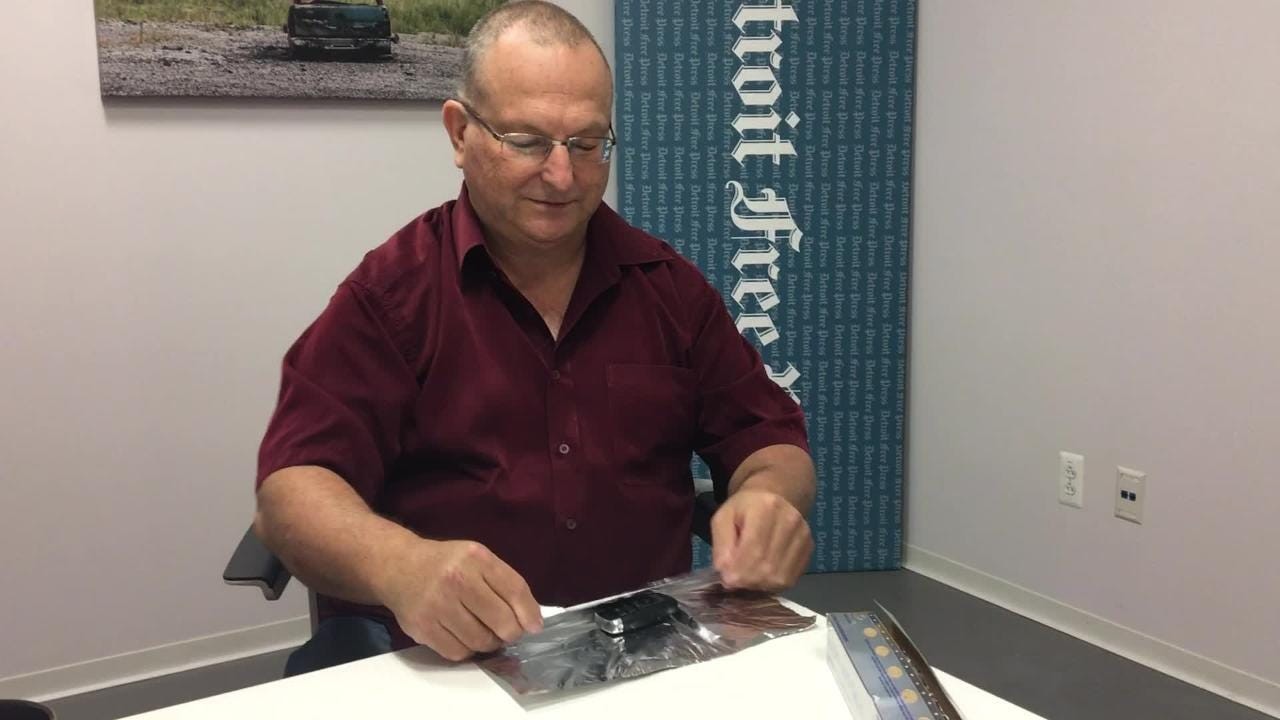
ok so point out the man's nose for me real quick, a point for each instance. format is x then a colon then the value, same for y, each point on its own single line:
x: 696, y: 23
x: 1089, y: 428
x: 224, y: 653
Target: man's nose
x: 557, y: 171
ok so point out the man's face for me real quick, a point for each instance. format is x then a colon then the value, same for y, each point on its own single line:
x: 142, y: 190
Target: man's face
x: 555, y: 91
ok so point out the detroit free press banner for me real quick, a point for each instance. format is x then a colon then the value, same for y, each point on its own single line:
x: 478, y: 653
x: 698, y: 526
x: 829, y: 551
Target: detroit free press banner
x: 770, y: 142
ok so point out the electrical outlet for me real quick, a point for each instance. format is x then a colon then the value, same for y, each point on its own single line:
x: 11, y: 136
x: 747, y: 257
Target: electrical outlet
x: 1131, y: 494
x: 1071, y: 479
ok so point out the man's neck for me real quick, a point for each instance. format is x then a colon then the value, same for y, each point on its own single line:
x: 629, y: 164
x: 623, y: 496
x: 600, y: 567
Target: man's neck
x: 529, y: 266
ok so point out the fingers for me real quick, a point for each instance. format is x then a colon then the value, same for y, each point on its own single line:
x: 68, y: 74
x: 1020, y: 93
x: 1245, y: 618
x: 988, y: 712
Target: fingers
x: 493, y: 612
x: 798, y: 549
x: 491, y: 598
x: 512, y: 591
x: 724, y: 537
x: 468, y: 630
x: 752, y: 561
x: 773, y: 548
x: 463, y: 600
x: 438, y: 638
x: 788, y: 551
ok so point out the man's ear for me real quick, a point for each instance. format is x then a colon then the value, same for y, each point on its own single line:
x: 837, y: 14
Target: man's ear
x: 455, y: 123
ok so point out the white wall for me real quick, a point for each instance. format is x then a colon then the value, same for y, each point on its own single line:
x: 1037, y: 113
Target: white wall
x: 157, y: 258
x: 1097, y: 239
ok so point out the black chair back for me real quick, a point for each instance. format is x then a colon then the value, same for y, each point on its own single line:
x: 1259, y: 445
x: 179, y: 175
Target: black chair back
x: 24, y: 710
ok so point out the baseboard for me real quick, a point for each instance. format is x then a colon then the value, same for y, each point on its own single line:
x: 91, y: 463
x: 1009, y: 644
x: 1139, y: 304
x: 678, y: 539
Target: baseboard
x: 1237, y: 685
x: 156, y: 661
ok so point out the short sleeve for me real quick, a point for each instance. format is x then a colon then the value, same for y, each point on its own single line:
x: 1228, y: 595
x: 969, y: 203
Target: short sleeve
x: 741, y: 410
x: 345, y: 395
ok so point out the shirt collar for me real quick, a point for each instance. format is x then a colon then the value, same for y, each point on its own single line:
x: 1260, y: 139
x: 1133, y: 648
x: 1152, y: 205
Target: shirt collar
x: 467, y: 234
x: 611, y: 241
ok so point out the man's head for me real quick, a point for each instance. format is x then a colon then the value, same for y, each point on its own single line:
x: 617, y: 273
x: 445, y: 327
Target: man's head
x: 531, y: 67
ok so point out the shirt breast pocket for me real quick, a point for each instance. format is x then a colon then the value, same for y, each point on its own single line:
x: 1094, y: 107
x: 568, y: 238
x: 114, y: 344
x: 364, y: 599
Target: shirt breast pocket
x: 653, y: 413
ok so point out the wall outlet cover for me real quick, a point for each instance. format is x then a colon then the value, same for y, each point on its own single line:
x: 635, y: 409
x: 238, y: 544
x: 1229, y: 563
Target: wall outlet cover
x: 1071, y: 479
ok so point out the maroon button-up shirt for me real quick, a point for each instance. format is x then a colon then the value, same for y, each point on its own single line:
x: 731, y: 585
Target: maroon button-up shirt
x: 435, y: 389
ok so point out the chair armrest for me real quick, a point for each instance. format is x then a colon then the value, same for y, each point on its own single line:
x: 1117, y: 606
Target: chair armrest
x: 704, y: 506
x: 253, y: 564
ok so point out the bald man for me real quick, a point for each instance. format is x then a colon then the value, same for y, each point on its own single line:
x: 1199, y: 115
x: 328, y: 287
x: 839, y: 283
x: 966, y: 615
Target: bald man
x: 499, y: 406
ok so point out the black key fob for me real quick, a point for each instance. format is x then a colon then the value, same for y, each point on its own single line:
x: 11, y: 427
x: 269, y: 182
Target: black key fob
x: 634, y: 612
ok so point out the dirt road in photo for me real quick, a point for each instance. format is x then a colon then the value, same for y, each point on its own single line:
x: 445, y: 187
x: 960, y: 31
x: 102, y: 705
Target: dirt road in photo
x: 185, y: 59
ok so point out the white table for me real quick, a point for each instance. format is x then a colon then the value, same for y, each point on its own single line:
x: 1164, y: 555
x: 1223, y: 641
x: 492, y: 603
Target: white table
x: 783, y: 678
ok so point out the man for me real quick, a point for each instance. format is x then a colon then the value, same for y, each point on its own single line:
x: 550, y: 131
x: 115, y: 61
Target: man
x: 498, y: 407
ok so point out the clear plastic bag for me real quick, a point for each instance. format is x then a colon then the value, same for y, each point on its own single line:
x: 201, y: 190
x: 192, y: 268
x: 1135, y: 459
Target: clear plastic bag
x: 571, y: 653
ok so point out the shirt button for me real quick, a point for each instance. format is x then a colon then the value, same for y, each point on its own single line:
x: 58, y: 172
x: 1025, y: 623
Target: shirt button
x: 555, y: 374
x: 571, y: 524
x: 563, y: 449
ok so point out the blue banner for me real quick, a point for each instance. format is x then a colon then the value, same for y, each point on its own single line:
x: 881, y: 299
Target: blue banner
x: 770, y: 142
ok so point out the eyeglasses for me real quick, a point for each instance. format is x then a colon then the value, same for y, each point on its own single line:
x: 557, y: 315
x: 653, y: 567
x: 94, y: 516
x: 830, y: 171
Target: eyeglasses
x: 534, y: 147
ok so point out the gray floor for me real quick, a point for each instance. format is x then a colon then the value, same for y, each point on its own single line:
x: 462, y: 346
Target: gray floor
x: 1043, y: 670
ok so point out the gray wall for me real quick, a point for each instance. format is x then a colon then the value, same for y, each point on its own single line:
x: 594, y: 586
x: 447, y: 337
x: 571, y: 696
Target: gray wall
x: 1096, y: 243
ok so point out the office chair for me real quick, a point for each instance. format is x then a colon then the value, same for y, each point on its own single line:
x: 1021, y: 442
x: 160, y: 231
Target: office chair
x: 253, y: 564
x: 24, y: 710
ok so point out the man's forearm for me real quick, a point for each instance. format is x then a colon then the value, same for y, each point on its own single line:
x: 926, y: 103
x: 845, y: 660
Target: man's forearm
x: 326, y: 535
x: 785, y: 470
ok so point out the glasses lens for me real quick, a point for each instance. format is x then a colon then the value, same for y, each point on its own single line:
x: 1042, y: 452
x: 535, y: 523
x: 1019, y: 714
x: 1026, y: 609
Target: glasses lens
x: 591, y: 149
x: 538, y: 147
x: 529, y: 145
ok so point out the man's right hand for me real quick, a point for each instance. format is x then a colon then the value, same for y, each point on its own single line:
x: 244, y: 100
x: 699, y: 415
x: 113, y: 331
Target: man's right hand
x: 458, y: 598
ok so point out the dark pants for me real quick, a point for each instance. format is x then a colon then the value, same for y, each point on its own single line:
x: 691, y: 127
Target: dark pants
x: 339, y: 640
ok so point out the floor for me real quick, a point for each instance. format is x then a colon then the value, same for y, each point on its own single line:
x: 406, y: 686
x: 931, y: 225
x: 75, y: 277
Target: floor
x: 1047, y: 672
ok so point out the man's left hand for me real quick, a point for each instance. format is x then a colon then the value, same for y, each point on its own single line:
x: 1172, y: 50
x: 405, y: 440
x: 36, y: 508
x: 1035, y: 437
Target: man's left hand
x: 759, y: 541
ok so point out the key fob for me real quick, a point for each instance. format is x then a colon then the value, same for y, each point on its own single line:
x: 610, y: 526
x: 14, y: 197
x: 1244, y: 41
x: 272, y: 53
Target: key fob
x: 634, y: 612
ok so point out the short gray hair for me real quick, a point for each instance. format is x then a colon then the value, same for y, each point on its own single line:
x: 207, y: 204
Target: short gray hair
x: 545, y: 22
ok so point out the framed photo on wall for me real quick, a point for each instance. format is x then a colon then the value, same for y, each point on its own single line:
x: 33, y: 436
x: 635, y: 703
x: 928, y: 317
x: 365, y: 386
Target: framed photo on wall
x: 372, y: 49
